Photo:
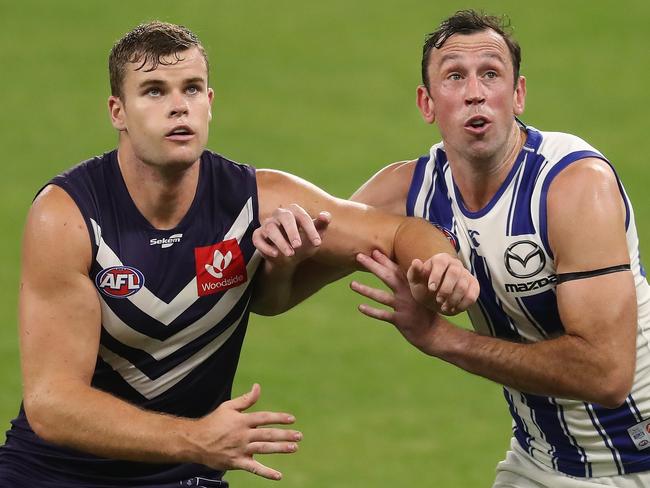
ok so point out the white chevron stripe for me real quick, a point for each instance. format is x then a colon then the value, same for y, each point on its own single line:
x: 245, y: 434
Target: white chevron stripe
x: 152, y: 388
x: 149, y: 303
x: 160, y: 349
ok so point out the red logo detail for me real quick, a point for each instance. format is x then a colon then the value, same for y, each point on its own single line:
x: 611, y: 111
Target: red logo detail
x: 119, y: 281
x: 219, y: 267
x: 647, y: 428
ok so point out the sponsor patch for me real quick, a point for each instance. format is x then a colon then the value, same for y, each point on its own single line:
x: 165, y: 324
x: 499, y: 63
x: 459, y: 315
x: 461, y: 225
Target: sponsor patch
x: 166, y: 242
x: 119, y: 281
x: 531, y: 285
x: 219, y: 267
x: 640, y: 434
x: 524, y: 259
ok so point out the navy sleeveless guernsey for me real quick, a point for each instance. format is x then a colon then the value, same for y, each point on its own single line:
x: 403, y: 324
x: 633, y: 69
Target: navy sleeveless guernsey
x: 174, y: 309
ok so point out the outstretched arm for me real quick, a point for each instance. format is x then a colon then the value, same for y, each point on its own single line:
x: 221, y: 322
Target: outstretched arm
x: 59, y: 337
x: 351, y: 228
x: 594, y: 359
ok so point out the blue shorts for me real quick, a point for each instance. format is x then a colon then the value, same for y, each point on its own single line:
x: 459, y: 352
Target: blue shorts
x: 18, y: 471
x: 10, y: 477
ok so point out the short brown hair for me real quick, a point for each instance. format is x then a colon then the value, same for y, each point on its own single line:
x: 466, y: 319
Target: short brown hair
x: 149, y: 44
x: 468, y: 22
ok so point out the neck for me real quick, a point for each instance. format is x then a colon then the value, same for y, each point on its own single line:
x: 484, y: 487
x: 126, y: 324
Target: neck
x: 162, y: 195
x: 478, y: 179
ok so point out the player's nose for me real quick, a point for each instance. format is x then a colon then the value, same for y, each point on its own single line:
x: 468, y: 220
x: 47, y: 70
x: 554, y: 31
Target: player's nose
x: 178, y: 105
x: 474, y: 91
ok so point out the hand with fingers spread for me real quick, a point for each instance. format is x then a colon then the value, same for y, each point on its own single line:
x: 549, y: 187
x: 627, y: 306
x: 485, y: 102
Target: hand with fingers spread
x: 443, y: 284
x: 414, y: 321
x: 230, y: 437
x: 290, y: 235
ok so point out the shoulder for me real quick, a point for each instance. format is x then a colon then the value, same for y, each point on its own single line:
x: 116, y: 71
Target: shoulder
x: 55, y: 228
x: 586, y: 210
x: 388, y: 188
x: 587, y: 178
x: 54, y: 208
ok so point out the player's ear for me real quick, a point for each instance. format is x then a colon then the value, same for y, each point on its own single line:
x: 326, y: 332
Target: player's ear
x: 210, y: 100
x: 116, y: 111
x: 519, y: 100
x: 425, y: 104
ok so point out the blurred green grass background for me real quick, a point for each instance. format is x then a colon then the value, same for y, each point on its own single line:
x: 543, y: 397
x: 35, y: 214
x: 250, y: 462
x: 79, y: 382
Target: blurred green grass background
x: 324, y: 90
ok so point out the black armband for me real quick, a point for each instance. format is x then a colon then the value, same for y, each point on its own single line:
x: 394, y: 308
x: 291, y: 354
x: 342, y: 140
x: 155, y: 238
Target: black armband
x: 578, y: 275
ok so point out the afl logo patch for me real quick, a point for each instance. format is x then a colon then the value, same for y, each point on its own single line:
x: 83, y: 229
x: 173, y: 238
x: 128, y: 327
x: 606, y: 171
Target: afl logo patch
x: 119, y: 281
x: 524, y: 259
x: 450, y: 237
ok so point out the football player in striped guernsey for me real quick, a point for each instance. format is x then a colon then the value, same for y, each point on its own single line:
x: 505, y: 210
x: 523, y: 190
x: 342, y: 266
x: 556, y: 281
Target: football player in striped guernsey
x: 136, y: 287
x: 543, y: 222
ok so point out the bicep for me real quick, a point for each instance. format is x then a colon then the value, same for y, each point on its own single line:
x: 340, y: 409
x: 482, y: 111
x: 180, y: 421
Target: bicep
x: 586, y: 222
x: 59, y: 309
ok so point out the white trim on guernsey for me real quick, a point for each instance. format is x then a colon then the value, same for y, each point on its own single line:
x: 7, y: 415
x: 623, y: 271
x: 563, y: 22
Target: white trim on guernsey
x: 160, y: 349
x: 152, y: 388
x: 149, y: 303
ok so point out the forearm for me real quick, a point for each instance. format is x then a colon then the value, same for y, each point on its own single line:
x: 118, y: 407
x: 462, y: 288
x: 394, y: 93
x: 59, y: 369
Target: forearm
x: 566, y: 366
x: 280, y: 288
x: 84, y: 418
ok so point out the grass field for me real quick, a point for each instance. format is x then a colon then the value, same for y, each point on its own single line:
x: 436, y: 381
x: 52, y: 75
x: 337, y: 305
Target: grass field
x: 324, y: 90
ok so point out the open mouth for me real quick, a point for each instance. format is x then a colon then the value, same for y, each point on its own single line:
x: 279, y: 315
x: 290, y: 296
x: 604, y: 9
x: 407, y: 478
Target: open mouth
x: 477, y: 122
x: 180, y: 131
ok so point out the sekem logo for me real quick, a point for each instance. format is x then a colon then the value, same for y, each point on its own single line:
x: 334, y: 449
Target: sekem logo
x: 166, y: 242
x: 219, y: 267
x: 119, y: 281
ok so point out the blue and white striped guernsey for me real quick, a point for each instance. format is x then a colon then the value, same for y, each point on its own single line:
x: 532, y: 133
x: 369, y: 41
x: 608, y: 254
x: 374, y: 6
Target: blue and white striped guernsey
x: 506, y: 247
x: 174, y: 307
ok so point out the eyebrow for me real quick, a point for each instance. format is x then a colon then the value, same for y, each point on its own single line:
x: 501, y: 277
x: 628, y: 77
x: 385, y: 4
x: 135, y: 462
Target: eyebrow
x: 453, y: 57
x: 150, y: 82
x: 157, y: 82
x: 196, y: 79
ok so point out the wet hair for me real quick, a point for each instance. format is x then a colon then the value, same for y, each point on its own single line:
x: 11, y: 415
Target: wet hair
x: 150, y: 44
x: 467, y: 22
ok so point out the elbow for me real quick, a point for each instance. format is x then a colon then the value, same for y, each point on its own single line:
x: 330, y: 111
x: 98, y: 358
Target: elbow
x: 40, y: 411
x: 36, y: 412
x: 614, y: 388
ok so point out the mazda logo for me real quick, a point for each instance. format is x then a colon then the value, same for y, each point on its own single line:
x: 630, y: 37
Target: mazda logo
x: 524, y: 259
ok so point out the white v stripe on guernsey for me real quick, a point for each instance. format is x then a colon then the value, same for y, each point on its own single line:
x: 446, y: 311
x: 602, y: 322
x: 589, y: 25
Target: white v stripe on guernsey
x: 152, y: 388
x: 149, y: 303
x: 160, y: 349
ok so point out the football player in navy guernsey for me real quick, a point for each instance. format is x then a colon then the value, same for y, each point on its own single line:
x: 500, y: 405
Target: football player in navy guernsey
x: 543, y: 222
x: 137, y: 282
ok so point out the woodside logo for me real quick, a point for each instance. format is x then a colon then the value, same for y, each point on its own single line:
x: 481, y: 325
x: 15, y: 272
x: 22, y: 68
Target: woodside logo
x: 219, y: 267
